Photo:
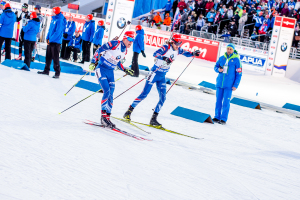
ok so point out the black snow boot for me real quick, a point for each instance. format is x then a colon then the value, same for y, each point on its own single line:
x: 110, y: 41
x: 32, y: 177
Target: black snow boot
x: 222, y: 122
x: 154, y: 121
x: 105, y: 120
x: 216, y: 120
x: 43, y: 72
x: 128, y: 113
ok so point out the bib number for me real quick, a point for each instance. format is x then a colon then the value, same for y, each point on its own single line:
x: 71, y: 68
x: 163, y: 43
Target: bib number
x: 225, y: 67
x: 151, y: 76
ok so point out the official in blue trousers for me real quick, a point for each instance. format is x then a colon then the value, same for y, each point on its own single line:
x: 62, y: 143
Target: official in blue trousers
x: 229, y: 68
x: 138, y: 47
x: 98, y: 36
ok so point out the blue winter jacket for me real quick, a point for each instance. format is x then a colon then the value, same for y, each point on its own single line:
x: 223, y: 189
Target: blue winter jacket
x: 56, y: 29
x: 31, y: 29
x: 259, y: 21
x: 98, y: 36
x: 272, y: 22
x: 209, y: 15
x: 234, y: 73
x: 138, y: 44
x: 168, y: 6
x: 88, y: 31
x: 76, y: 42
x: 70, y: 30
x: 7, y: 22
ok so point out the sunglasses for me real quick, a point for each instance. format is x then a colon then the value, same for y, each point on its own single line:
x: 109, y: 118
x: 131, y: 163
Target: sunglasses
x: 130, y: 39
x: 24, y: 7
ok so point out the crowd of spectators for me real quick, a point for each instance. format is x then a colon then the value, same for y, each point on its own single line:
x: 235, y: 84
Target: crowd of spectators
x: 227, y: 17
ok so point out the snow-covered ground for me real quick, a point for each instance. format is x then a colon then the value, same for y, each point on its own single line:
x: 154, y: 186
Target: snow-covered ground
x: 44, y: 155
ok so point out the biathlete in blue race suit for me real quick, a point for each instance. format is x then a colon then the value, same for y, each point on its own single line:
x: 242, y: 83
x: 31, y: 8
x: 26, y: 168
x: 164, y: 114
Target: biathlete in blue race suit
x: 164, y: 58
x: 229, y: 68
x: 113, y: 53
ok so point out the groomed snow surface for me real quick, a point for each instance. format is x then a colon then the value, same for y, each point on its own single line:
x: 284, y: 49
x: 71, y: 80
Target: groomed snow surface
x: 44, y: 155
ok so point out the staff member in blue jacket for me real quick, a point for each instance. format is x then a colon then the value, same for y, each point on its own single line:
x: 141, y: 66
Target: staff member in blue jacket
x: 229, y: 68
x: 168, y: 7
x: 87, y: 37
x: 74, y: 45
x: 98, y: 36
x: 30, y: 31
x: 138, y: 47
x: 54, y: 39
x: 67, y: 36
x: 7, y: 22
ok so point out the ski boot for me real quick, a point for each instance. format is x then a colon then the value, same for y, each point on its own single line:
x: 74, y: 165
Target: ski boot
x: 20, y: 57
x: 128, y: 113
x: 105, y: 120
x: 154, y: 121
x: 222, y: 122
x: 216, y: 120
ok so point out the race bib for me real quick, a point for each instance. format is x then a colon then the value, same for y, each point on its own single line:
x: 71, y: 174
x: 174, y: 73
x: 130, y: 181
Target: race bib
x: 151, y: 76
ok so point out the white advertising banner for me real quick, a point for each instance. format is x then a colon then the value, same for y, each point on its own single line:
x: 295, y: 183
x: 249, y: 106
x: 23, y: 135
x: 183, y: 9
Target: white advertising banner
x: 252, y: 59
x: 273, y: 45
x: 122, y: 13
x: 109, y: 17
x: 284, y: 46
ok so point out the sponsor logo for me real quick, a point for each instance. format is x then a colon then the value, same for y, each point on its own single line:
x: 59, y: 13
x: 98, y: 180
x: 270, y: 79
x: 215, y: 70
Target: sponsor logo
x: 239, y: 70
x: 268, y: 69
x: 270, y: 65
x: 111, y: 3
x: 118, y: 57
x: 110, y: 10
x: 207, y: 41
x: 121, y: 23
x: 274, y: 41
x: 107, y: 23
x: 272, y: 47
x: 283, y: 47
x: 105, y: 36
x: 272, y: 52
x: 251, y: 60
x: 288, y: 23
x: 271, y: 58
x: 106, y: 29
x: 215, y: 43
x: 275, y: 36
x: 109, y: 16
x: 276, y: 30
x: 199, y: 40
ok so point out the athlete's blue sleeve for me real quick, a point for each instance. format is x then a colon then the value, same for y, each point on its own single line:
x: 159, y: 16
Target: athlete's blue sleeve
x: 105, y: 47
x: 121, y: 67
x: 185, y: 53
x: 238, y: 73
x: 160, y: 52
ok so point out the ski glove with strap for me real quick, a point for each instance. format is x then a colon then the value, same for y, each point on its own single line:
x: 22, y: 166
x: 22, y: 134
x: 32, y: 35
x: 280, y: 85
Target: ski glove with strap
x: 168, y: 60
x: 129, y: 72
x: 92, y: 66
x: 196, y: 53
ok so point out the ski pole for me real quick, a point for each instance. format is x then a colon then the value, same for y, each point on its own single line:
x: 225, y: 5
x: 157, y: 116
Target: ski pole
x: 117, y: 37
x: 88, y: 97
x: 76, y: 83
x: 128, y: 89
x: 180, y: 75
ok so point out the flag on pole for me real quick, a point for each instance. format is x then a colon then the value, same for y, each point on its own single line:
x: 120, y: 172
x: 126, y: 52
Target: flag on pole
x: 176, y: 19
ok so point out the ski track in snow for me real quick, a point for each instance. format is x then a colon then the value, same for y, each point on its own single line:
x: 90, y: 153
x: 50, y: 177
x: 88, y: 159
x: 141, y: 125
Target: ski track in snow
x: 49, y: 156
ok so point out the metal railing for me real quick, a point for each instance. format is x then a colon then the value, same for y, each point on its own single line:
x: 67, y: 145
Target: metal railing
x: 203, y: 34
x: 243, y: 29
x: 222, y: 21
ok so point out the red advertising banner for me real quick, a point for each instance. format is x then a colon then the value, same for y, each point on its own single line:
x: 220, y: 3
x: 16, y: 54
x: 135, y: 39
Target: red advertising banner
x: 73, y: 6
x: 208, y: 48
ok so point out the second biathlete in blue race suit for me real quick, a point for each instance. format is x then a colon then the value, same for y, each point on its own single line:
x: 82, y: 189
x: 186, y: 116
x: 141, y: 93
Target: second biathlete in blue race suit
x: 164, y: 59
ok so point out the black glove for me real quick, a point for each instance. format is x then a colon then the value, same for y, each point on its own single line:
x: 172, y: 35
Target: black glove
x: 143, y: 53
x: 196, y: 53
x: 168, y: 60
x: 128, y: 22
x: 65, y: 35
x: 129, y: 72
x: 16, y: 13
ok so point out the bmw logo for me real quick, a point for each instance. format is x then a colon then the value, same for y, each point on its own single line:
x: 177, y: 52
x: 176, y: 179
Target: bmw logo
x: 172, y: 56
x: 270, y: 64
x: 276, y: 30
x: 121, y: 23
x: 106, y: 29
x: 283, y: 47
x: 112, y: 3
x: 109, y: 16
x: 271, y: 52
x: 118, y: 57
x: 274, y: 41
